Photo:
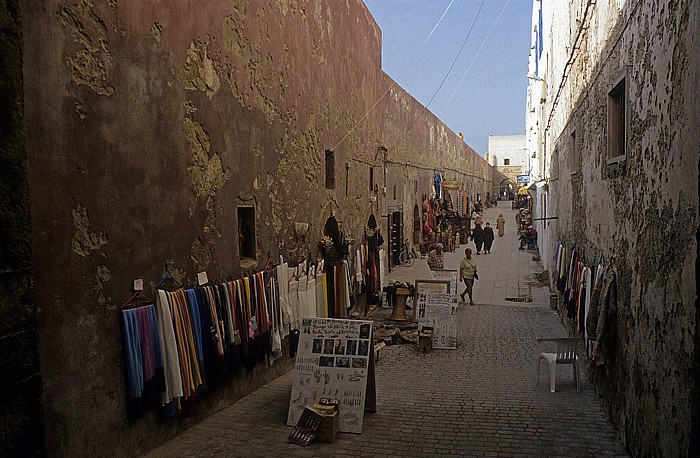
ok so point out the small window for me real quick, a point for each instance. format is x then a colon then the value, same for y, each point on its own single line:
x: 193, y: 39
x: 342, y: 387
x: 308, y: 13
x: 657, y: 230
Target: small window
x: 371, y: 179
x: 246, y: 232
x: 617, y: 122
x: 394, y: 192
x: 330, y: 170
x: 506, y: 161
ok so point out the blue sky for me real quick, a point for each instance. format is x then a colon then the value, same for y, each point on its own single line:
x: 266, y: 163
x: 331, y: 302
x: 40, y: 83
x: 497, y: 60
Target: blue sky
x: 491, y: 98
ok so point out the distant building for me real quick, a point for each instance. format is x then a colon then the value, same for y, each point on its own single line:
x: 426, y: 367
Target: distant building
x: 508, y: 155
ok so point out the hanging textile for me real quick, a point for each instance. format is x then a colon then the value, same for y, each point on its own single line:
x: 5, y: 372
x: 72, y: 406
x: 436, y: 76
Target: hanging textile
x: 320, y: 295
x: 293, y: 302
x: 330, y: 291
x: 302, y: 297
x: 311, y: 293
x: 283, y: 280
x: 276, y: 342
x: 143, y: 359
x: 348, y: 286
x: 171, y: 364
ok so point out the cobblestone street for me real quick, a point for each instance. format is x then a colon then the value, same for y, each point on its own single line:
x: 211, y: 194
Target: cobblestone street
x: 478, y: 400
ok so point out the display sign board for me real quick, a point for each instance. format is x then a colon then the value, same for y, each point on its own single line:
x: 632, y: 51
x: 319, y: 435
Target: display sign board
x: 523, y: 179
x: 334, y: 361
x: 450, y: 185
x: 439, y: 311
x: 430, y: 286
x: 450, y: 275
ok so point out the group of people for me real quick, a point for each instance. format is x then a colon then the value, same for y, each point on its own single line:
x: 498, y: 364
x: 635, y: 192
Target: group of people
x: 484, y: 236
x: 483, y: 239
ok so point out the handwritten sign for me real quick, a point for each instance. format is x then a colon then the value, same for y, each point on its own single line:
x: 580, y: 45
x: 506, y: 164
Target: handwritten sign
x: 333, y: 362
x: 439, y: 311
x: 450, y: 275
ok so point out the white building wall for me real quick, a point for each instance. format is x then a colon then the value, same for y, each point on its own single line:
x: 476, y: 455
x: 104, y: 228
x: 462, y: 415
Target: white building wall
x: 509, y: 147
x: 641, y: 214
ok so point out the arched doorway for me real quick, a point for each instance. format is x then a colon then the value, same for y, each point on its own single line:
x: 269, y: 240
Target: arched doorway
x: 506, y: 189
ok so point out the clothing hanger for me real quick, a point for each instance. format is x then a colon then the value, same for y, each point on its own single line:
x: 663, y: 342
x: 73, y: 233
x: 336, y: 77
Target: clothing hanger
x: 145, y: 300
x: 168, y: 276
x: 293, y: 276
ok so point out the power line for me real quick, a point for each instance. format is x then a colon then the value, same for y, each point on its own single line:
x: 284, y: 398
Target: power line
x: 444, y: 79
x: 476, y: 55
x: 394, y: 82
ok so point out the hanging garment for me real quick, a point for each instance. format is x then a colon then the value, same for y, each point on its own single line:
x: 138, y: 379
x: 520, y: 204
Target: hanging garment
x: 276, y: 344
x: 302, y: 298
x: 283, y: 281
x: 171, y: 364
x: 293, y: 301
x: 143, y: 359
x: 311, y: 293
x: 320, y: 295
x: 213, y: 368
x: 189, y: 364
x: 359, y: 268
x: 348, y: 287
x: 382, y: 270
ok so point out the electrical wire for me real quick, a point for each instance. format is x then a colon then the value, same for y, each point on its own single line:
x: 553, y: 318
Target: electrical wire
x: 425, y: 108
x: 416, y: 54
x: 476, y: 55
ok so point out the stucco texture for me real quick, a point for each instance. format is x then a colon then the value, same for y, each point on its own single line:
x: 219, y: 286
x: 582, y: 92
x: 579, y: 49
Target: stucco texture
x: 148, y: 124
x: 640, y: 213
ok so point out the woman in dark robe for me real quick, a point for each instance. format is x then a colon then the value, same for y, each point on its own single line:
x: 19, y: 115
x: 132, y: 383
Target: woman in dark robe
x: 488, y: 238
x: 478, y: 237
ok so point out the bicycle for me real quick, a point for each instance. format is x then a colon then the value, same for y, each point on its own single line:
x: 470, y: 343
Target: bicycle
x: 408, y: 254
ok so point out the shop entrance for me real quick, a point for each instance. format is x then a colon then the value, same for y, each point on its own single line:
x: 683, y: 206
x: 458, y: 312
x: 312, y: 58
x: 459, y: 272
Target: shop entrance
x: 395, y: 234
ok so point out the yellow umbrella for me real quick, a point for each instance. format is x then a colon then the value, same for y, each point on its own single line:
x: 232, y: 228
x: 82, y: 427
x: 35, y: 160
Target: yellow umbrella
x: 522, y: 191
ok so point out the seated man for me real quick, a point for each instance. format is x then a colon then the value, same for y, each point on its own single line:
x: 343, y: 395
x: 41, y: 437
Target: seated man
x: 436, y: 258
x: 529, y: 237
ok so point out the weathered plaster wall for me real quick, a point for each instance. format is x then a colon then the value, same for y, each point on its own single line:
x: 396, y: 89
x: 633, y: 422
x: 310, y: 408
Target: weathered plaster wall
x: 148, y: 124
x: 21, y: 415
x: 643, y: 213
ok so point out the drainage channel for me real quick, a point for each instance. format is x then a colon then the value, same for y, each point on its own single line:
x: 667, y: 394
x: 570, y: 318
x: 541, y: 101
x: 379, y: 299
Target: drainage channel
x: 519, y: 299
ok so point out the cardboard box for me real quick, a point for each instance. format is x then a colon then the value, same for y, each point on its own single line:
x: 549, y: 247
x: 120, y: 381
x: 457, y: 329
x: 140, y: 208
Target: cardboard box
x: 329, y: 428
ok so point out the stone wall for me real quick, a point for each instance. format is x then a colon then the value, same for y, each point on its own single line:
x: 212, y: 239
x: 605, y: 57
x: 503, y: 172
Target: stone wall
x: 641, y: 213
x: 148, y: 124
x: 21, y: 421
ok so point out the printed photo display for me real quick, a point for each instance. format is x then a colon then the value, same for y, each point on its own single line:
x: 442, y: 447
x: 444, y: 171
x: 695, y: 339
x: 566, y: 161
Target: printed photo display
x: 439, y: 311
x: 332, y: 362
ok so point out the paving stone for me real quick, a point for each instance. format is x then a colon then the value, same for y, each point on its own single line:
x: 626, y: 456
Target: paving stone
x: 478, y: 400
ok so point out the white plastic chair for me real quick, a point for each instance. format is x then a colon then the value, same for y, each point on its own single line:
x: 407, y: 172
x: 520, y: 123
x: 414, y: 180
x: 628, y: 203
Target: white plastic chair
x: 567, y: 353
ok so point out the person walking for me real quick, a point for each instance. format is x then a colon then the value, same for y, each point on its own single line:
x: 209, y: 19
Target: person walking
x: 478, y: 237
x: 488, y: 238
x: 467, y: 272
x: 501, y: 224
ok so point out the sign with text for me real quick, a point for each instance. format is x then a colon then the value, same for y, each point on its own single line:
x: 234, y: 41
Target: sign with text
x: 523, y: 179
x: 450, y: 275
x: 439, y: 311
x: 333, y: 361
x: 450, y: 185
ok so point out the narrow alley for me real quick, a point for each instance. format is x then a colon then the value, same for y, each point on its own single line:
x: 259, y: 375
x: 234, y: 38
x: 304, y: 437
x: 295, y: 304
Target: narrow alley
x: 478, y: 400
x: 190, y: 190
